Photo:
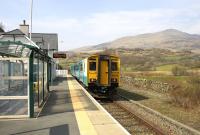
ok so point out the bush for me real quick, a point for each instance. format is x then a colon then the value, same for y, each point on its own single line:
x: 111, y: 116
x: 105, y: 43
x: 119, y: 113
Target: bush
x: 189, y: 96
x: 179, y: 71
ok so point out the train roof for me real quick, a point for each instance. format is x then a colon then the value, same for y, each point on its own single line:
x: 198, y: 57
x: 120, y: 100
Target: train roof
x: 95, y: 55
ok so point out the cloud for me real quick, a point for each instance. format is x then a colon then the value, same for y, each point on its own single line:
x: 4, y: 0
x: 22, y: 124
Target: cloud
x: 106, y: 26
x: 56, y: 23
x: 136, y: 22
x: 101, y: 27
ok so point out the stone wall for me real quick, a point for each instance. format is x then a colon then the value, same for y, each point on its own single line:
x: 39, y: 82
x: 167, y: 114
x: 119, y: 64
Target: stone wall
x: 145, y: 84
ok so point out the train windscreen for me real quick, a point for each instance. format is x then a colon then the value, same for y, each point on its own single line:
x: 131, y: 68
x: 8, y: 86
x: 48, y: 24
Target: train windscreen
x: 114, y: 66
x: 92, y: 66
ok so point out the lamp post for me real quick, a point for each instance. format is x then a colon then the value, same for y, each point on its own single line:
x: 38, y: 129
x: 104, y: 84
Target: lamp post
x: 31, y: 16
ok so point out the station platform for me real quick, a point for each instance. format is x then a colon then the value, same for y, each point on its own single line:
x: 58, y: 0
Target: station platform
x: 69, y: 110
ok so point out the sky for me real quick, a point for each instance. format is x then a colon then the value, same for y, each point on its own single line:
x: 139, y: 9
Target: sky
x: 90, y: 22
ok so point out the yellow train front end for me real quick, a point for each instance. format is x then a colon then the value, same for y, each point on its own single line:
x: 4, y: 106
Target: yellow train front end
x: 103, y: 74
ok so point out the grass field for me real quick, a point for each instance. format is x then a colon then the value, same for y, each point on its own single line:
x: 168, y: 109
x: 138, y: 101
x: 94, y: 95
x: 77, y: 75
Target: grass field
x: 166, y: 67
x: 173, y: 58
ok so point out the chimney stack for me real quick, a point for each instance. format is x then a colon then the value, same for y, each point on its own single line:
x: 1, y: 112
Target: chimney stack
x: 24, y: 28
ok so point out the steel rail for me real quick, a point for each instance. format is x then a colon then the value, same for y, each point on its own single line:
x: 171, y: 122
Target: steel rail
x: 147, y: 123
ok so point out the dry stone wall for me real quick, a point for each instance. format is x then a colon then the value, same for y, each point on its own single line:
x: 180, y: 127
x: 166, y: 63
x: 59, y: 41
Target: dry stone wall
x: 146, y: 84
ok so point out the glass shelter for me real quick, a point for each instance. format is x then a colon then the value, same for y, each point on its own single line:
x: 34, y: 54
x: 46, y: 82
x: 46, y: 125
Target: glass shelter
x: 25, y: 76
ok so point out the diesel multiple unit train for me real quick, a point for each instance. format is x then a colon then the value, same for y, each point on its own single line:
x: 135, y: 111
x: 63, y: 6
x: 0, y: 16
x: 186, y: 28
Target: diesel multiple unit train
x: 100, y: 73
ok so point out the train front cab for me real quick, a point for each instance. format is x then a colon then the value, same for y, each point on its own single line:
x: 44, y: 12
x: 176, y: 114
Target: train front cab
x: 103, y: 73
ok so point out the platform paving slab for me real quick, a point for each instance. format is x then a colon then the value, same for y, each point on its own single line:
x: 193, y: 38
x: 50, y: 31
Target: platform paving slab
x: 96, y: 120
x: 68, y: 111
x: 56, y: 118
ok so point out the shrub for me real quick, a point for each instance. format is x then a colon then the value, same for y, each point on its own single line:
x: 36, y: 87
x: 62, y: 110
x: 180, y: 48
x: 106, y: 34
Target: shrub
x: 189, y: 96
x: 179, y: 71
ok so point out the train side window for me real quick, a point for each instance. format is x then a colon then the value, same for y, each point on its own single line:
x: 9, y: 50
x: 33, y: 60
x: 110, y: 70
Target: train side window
x: 76, y: 68
x: 81, y: 67
x: 92, y: 66
x: 114, y: 66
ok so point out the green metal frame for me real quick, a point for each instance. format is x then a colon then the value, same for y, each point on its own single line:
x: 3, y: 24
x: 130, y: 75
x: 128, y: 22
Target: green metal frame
x: 48, y: 75
x: 31, y: 93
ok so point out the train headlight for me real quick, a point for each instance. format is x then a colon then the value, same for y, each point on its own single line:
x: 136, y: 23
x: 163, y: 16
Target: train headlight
x: 114, y: 80
x: 93, y: 80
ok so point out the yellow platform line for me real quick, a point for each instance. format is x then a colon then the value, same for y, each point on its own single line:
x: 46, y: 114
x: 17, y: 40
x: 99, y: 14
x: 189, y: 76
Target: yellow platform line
x: 85, y: 125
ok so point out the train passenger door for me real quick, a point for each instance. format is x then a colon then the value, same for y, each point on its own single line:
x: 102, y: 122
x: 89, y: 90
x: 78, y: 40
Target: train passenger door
x: 104, y: 72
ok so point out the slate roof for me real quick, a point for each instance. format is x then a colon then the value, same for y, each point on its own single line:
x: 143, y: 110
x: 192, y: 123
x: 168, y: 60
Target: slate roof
x: 42, y: 39
x: 14, y: 32
x: 18, y: 33
x: 46, y: 38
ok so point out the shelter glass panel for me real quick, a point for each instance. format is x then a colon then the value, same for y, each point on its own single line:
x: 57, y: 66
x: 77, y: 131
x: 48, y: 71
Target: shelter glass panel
x: 12, y: 48
x: 36, y: 80
x: 13, y: 78
x: 45, y: 79
x: 13, y: 107
x: 40, y: 81
x: 14, y: 86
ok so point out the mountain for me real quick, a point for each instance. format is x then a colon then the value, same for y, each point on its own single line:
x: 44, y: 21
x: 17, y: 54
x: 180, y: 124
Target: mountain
x: 167, y: 39
x: 92, y: 49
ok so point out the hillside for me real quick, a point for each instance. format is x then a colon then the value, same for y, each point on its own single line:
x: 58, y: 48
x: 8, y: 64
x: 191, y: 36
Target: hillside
x: 167, y: 39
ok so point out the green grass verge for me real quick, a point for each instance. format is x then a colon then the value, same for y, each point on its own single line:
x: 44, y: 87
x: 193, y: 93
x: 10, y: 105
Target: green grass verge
x: 166, y: 67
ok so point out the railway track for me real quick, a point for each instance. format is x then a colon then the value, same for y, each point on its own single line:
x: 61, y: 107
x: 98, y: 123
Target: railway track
x: 139, y: 119
x: 128, y: 119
